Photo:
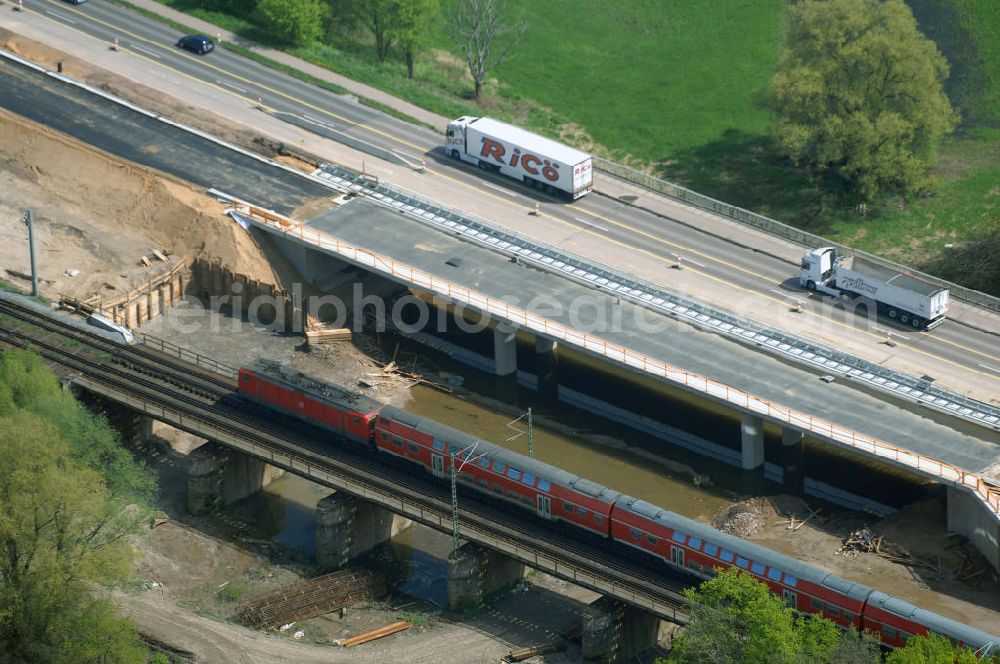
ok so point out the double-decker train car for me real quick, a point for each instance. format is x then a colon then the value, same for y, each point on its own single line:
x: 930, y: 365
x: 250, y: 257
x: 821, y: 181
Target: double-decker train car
x: 552, y: 493
x: 557, y: 495
x: 317, y: 402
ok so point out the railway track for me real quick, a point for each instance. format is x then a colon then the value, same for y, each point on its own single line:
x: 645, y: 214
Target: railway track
x: 173, y: 385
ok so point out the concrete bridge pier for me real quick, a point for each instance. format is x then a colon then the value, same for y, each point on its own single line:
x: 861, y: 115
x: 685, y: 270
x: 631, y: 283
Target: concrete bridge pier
x: 616, y: 632
x: 793, y: 461
x: 505, y: 362
x: 969, y: 517
x: 548, y: 368
x: 218, y: 476
x: 476, y: 573
x: 752, y: 441
x: 347, y: 527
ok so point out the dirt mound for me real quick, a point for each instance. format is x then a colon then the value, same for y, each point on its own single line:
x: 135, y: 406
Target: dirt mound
x: 96, y: 215
x: 743, y: 519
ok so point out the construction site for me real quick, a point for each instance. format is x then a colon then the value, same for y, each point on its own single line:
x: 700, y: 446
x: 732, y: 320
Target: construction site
x: 159, y: 256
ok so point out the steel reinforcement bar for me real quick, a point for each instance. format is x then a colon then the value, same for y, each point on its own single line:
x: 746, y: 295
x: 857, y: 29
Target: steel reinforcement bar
x: 774, y: 227
x: 924, y: 465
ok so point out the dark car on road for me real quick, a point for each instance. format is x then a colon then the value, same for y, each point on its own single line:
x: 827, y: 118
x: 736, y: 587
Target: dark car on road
x: 197, y: 44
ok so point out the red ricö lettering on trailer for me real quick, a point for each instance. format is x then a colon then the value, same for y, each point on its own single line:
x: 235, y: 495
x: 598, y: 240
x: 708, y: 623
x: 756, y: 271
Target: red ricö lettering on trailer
x: 528, y: 162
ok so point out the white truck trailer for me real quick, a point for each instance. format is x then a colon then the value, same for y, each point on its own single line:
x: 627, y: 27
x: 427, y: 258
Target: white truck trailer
x: 535, y: 160
x: 902, y: 297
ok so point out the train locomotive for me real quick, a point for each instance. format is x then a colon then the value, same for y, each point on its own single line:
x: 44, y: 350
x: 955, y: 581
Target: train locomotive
x: 556, y: 495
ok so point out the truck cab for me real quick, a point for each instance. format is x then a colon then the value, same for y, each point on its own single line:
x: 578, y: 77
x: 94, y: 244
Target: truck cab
x: 816, y: 272
x: 454, y: 139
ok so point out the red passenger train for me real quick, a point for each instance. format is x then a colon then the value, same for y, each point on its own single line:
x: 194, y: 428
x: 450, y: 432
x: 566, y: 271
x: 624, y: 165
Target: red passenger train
x: 556, y: 495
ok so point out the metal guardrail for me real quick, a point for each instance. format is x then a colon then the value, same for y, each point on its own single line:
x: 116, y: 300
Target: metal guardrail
x: 927, y: 466
x: 654, y: 297
x: 773, y: 227
x: 188, y: 355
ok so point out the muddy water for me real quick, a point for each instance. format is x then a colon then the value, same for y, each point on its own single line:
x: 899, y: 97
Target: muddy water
x: 285, y: 512
x: 627, y: 465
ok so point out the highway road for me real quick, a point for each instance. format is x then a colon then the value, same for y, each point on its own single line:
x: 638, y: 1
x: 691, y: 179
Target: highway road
x: 644, y: 234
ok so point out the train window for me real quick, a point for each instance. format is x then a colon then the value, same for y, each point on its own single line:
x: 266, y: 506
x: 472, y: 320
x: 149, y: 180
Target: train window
x: 527, y: 501
x: 635, y: 533
x: 513, y: 473
x: 483, y: 483
x: 774, y: 574
x: 384, y: 435
x: 757, y: 569
x: 356, y: 420
x: 483, y: 461
x: 439, y: 446
x: 497, y: 489
x: 694, y: 543
x: 246, y: 376
x: 711, y: 549
x: 848, y: 616
x: 499, y: 467
x: 833, y: 611
x: 650, y: 539
x: 598, y: 519
x: 790, y: 598
x: 583, y: 513
x: 889, y: 632
x: 816, y: 604
x: 727, y: 556
x: 543, y: 485
x: 905, y: 636
x: 568, y: 507
x: 413, y: 447
x: 397, y: 441
x: 528, y: 479
x: 791, y: 580
x: 742, y: 562
x: 679, y: 537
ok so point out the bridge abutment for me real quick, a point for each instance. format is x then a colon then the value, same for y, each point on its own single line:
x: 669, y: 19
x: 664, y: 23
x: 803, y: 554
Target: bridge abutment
x: 793, y: 461
x: 969, y: 517
x: 347, y: 527
x: 616, y: 632
x: 475, y: 573
x: 752, y: 441
x: 219, y: 476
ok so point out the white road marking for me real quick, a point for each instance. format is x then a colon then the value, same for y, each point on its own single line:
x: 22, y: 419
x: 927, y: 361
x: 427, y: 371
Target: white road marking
x: 231, y: 86
x: 685, y: 259
x: 782, y: 294
x: 986, y: 366
x: 500, y: 189
x: 60, y: 17
x: 895, y: 335
x: 142, y: 50
x: 591, y: 224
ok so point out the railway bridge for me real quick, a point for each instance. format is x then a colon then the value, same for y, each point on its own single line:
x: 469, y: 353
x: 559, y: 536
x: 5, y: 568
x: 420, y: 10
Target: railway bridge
x: 197, y: 395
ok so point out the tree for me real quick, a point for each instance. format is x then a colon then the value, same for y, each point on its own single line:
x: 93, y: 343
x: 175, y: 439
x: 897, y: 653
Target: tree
x: 295, y: 22
x: 737, y: 619
x: 858, y: 93
x: 931, y: 649
x: 381, y: 18
x: 62, y: 531
x: 486, y: 36
x: 414, y: 21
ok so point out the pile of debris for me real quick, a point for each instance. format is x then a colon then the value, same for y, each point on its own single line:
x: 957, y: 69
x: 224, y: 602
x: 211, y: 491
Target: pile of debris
x: 742, y: 519
x: 862, y: 540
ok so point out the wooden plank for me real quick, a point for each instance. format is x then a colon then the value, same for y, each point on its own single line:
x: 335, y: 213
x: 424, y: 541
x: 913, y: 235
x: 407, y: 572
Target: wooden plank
x: 376, y: 634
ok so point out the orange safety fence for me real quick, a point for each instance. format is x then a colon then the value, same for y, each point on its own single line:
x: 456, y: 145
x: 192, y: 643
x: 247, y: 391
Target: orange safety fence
x: 628, y: 357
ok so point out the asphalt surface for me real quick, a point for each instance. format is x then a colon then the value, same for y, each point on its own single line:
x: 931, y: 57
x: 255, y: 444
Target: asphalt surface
x: 134, y: 136
x: 388, y: 233
x: 974, y: 349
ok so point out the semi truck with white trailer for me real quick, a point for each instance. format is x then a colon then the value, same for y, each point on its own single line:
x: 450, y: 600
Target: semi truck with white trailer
x: 903, y: 297
x: 535, y: 160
